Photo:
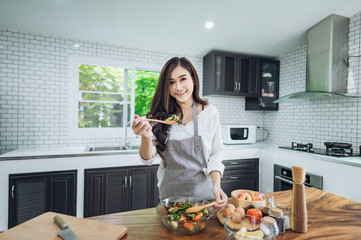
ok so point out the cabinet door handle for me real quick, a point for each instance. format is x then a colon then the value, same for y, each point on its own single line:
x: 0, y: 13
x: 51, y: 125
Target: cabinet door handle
x: 235, y: 86
x: 233, y: 177
x: 234, y: 163
x: 12, y: 191
x: 239, y: 86
x: 125, y: 181
x: 130, y: 181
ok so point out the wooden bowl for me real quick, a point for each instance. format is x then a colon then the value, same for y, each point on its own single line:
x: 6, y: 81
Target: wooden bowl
x: 220, y: 216
x: 244, y: 203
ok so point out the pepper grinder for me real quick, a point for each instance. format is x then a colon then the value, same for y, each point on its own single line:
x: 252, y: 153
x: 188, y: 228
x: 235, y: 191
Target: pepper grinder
x: 298, y: 202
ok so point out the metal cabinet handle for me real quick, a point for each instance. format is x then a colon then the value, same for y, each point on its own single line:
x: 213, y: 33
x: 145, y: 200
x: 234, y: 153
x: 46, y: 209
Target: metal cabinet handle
x: 125, y: 181
x: 234, y: 163
x: 239, y: 86
x: 232, y: 177
x: 130, y: 181
x: 235, y: 86
x: 12, y: 191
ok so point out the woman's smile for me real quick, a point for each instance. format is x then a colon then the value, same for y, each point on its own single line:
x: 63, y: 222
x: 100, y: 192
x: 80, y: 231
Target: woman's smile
x: 181, y: 94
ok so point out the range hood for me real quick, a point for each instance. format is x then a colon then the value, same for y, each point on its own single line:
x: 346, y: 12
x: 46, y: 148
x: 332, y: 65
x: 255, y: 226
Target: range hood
x: 326, y: 68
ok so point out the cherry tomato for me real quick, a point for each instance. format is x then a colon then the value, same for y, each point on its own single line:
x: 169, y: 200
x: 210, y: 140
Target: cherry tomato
x: 254, y: 215
x: 188, y: 225
x: 198, y: 216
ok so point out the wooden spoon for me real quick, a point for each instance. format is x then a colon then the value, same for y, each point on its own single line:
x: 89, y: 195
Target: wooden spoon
x: 198, y: 208
x: 161, y: 121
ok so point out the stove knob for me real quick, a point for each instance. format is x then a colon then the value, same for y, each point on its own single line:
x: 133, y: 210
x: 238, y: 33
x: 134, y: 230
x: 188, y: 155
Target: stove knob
x: 284, y: 173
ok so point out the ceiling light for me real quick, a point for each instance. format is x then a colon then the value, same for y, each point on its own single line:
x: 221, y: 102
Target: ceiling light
x: 209, y: 25
x: 76, y: 45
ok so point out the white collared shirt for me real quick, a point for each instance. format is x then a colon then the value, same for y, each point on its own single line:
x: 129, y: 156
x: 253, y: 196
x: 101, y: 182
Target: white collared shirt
x: 210, y: 130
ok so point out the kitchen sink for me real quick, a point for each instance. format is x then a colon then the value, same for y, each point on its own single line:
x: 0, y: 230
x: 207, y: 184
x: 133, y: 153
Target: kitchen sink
x: 111, y: 148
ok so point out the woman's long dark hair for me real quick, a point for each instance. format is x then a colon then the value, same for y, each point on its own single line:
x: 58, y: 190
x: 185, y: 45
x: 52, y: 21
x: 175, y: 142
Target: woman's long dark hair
x: 164, y: 105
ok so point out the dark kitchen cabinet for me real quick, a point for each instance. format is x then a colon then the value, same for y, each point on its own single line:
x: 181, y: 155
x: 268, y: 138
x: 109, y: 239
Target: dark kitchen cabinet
x: 32, y: 194
x: 111, y: 190
x: 229, y: 74
x: 240, y: 174
x: 268, y: 86
x: 143, y: 189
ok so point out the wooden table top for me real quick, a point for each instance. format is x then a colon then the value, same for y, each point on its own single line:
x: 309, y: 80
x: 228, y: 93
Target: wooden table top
x: 329, y: 217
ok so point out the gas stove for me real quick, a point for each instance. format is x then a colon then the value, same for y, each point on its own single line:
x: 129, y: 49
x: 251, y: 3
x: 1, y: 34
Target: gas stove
x: 331, y: 149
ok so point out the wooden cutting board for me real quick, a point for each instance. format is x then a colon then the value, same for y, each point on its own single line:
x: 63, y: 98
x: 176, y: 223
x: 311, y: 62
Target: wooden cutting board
x: 43, y: 227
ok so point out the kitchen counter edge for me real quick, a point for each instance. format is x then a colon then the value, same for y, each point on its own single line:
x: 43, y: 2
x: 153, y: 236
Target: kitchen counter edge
x: 255, y: 148
x: 30, y: 157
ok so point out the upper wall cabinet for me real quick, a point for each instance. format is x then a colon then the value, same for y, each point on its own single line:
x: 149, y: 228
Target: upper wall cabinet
x: 229, y: 74
x: 268, y: 78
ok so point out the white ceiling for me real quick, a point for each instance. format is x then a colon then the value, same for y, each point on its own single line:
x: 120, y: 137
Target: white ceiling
x: 263, y: 27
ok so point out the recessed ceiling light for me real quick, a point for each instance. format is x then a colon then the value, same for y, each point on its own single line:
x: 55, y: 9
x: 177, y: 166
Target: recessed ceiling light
x: 209, y: 25
x: 76, y: 45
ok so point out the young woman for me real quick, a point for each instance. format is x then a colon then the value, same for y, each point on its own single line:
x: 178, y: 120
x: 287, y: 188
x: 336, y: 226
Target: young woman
x: 191, y: 152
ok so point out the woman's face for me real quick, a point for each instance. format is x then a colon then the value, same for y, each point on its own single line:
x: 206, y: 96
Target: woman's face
x: 181, y: 85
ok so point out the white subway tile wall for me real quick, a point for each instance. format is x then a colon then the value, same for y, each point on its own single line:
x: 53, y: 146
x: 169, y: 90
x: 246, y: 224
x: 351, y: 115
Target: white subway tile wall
x: 34, y: 87
x: 34, y: 72
x: 231, y: 111
x: 318, y: 121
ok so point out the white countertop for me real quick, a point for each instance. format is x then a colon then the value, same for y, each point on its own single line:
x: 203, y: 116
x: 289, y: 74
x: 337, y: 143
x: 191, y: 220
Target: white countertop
x: 82, y: 151
x: 53, y: 152
x: 236, y: 151
x: 353, y: 161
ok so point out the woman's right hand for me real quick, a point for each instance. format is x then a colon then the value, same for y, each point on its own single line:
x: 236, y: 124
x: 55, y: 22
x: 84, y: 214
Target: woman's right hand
x: 142, y: 127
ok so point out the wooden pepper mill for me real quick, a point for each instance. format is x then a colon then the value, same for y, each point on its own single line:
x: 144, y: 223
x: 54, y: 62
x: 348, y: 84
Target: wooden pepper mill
x: 298, y: 218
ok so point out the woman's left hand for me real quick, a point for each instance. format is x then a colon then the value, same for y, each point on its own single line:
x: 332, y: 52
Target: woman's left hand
x: 220, y: 196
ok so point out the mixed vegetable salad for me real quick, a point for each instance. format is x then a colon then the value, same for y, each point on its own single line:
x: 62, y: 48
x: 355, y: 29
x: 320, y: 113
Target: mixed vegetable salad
x: 174, y: 118
x: 178, y: 218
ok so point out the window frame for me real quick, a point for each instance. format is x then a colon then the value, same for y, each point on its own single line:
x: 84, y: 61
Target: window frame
x: 112, y: 132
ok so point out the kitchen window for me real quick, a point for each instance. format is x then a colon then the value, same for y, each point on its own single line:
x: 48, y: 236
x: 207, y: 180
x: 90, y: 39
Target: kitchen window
x: 105, y: 95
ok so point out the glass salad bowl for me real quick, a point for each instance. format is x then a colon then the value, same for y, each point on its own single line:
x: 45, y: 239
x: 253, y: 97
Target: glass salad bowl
x: 172, y: 213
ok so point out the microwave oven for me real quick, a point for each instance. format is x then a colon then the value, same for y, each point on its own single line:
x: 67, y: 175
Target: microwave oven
x: 238, y: 134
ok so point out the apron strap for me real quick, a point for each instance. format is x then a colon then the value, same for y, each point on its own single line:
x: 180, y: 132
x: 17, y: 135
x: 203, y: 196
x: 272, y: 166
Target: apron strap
x: 195, y: 118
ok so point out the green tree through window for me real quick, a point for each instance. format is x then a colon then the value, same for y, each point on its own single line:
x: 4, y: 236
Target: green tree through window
x: 104, y: 97
x: 146, y: 83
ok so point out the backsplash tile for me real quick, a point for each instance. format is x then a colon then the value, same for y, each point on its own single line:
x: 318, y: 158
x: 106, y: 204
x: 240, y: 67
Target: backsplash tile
x: 317, y: 121
x: 34, y: 94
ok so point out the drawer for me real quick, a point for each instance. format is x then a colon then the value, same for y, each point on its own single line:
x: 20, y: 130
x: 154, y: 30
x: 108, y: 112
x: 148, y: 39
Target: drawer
x: 243, y: 181
x: 241, y: 177
x: 241, y: 166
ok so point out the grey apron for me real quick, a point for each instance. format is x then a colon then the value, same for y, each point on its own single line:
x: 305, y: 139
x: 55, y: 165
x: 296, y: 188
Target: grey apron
x: 184, y: 174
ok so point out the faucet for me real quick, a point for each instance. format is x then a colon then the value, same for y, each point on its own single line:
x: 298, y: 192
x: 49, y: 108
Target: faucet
x: 127, y: 144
